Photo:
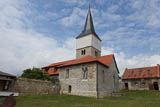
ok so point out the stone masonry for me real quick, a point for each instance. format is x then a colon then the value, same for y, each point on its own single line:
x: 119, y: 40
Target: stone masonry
x: 27, y: 87
x: 94, y: 86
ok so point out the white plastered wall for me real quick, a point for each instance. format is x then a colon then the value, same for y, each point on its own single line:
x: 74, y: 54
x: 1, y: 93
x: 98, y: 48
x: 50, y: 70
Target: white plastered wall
x: 89, y: 40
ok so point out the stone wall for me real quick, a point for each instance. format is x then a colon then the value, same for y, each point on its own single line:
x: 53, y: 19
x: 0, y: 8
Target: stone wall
x: 140, y: 84
x: 27, y: 87
x: 93, y: 86
x: 79, y: 86
x: 108, y: 79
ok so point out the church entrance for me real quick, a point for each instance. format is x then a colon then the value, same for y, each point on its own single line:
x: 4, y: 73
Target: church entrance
x: 69, y: 89
x: 156, y: 87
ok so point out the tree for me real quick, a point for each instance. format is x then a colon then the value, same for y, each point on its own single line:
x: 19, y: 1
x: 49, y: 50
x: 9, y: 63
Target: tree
x: 35, y: 73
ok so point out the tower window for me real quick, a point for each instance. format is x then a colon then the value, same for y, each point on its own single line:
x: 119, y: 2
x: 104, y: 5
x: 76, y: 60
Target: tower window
x: 85, y: 73
x: 83, y: 52
x: 96, y: 54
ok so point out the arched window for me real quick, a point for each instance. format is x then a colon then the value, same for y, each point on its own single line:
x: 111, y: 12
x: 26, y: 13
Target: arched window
x: 96, y: 54
x: 85, y: 73
x: 83, y: 52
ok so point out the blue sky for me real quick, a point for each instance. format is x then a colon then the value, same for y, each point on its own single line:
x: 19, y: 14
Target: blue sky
x: 40, y: 32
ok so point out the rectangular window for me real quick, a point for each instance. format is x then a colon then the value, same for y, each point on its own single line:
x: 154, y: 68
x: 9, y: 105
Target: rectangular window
x: 67, y: 73
x: 96, y: 54
x: 103, y: 76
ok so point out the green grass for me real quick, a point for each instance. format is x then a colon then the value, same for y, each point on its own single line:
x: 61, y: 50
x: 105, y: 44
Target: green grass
x: 133, y: 99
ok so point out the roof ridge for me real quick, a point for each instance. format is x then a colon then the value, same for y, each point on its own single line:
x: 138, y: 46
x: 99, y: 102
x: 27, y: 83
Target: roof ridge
x: 139, y: 68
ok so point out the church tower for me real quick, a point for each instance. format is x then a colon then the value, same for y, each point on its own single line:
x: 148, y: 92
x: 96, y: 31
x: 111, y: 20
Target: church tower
x: 88, y: 43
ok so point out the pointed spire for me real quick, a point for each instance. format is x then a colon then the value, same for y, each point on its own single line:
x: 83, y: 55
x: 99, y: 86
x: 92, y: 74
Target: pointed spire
x: 89, y: 27
x: 89, y: 22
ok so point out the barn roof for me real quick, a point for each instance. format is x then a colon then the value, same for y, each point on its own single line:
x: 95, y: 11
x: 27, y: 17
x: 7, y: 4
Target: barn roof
x: 145, y: 72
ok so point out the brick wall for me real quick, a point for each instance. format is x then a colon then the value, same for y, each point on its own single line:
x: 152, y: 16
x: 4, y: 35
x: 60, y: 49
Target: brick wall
x: 27, y: 87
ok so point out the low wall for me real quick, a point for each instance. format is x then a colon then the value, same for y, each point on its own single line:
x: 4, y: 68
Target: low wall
x: 27, y: 87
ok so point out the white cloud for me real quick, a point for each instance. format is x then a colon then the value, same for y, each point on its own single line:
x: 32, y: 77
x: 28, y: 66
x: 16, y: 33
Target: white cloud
x: 77, y: 17
x: 73, y: 2
x: 101, y: 2
x: 123, y: 61
x: 21, y: 48
x: 147, y: 12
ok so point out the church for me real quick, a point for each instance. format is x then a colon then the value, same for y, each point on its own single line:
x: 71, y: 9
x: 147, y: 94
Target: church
x: 90, y: 74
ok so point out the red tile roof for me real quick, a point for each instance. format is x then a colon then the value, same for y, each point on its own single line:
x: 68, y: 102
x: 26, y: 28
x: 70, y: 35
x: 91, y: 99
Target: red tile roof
x: 146, y: 72
x: 105, y: 60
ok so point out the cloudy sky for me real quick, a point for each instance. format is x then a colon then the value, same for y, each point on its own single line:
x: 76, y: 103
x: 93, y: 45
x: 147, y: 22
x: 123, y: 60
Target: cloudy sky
x: 40, y: 32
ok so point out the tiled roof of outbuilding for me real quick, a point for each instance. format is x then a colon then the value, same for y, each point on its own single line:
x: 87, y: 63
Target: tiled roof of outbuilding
x: 145, y: 72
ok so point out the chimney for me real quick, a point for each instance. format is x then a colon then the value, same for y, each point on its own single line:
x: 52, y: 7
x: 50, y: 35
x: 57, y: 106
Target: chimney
x: 158, y: 70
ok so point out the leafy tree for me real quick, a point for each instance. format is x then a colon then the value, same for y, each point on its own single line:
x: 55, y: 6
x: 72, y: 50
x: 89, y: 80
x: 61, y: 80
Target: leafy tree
x: 35, y: 73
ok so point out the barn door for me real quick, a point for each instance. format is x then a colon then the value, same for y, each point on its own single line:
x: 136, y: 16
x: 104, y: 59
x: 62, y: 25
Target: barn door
x: 156, y: 87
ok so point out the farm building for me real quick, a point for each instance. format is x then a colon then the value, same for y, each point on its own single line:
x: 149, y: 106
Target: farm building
x: 146, y: 78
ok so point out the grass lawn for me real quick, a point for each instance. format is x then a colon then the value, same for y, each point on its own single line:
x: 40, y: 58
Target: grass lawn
x: 133, y: 99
